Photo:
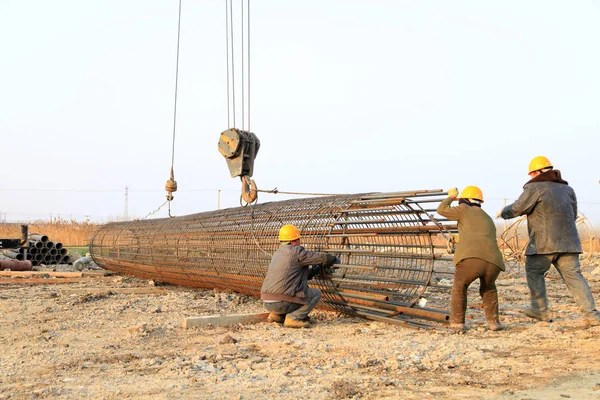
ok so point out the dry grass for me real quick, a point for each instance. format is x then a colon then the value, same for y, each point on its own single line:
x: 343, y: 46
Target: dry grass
x: 75, y: 233
x: 69, y: 233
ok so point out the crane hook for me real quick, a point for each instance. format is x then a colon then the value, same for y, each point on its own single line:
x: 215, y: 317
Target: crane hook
x: 171, y: 186
x: 249, y: 191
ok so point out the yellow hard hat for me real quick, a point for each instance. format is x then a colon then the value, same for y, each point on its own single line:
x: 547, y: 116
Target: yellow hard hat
x: 539, y: 162
x: 287, y: 233
x: 471, y: 192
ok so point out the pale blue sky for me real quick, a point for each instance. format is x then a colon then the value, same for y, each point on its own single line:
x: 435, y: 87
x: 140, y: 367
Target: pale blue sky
x: 346, y: 97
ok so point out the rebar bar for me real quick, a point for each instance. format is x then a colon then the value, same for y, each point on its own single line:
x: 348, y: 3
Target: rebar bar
x: 386, y: 243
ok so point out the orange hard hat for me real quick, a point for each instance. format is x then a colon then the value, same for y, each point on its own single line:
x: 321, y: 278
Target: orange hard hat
x: 539, y: 162
x: 287, y: 233
x: 471, y: 192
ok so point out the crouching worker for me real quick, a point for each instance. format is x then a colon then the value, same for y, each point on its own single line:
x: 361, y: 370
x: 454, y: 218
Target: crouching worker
x: 285, y: 291
x: 477, y: 256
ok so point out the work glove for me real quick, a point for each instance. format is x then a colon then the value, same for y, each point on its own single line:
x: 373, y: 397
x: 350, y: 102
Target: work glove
x: 451, y: 244
x: 330, y: 260
x: 453, y: 193
x: 499, y: 214
x: 329, y: 267
x: 313, y: 271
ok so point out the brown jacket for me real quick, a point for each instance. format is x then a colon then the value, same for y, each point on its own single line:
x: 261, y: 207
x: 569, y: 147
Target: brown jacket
x: 477, y: 233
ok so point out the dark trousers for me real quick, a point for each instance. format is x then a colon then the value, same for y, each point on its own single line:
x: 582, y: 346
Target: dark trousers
x: 567, y: 265
x: 467, y: 271
x: 296, y: 311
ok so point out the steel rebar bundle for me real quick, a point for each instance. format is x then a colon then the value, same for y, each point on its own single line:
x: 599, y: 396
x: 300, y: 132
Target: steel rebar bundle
x: 387, y: 243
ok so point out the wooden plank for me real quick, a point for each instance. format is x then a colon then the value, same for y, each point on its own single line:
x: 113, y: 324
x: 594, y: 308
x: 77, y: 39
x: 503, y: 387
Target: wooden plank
x: 27, y: 274
x: 41, y: 274
x: 99, y: 273
x: 225, y: 319
x: 44, y: 281
x: 97, y: 290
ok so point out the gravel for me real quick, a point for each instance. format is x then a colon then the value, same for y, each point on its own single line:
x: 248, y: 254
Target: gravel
x: 107, y: 346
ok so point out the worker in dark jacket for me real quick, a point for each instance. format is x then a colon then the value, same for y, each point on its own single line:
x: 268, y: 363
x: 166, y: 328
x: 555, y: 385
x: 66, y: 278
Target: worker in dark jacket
x: 285, y: 290
x: 477, y: 256
x: 551, y: 208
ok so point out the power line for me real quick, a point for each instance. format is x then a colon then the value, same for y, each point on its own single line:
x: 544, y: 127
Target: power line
x: 189, y: 190
x: 109, y: 190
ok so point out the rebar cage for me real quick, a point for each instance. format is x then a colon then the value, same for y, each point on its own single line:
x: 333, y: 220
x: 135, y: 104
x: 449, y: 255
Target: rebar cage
x: 386, y: 244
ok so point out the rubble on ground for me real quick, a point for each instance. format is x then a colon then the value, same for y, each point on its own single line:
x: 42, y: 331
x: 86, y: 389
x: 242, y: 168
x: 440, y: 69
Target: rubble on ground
x: 114, y: 345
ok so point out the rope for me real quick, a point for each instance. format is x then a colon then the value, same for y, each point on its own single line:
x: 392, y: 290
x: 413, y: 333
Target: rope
x: 155, y: 211
x: 252, y: 204
x: 252, y: 231
x: 277, y: 191
x: 250, y: 192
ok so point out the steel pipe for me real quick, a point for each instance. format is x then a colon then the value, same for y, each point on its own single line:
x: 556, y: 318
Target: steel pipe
x: 386, y: 243
x: 15, y: 255
x: 36, y: 244
x: 14, y: 265
x: 36, y: 237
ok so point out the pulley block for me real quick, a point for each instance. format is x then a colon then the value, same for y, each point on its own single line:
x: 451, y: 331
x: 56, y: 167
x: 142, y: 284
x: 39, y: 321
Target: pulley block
x: 239, y: 149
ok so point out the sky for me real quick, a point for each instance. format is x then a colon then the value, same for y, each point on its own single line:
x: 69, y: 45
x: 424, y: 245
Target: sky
x: 345, y: 96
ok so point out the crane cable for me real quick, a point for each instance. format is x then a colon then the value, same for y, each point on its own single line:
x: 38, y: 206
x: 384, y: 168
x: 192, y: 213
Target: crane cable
x: 230, y: 69
x: 245, y: 70
x: 242, y: 43
x: 249, y: 191
x: 171, y: 185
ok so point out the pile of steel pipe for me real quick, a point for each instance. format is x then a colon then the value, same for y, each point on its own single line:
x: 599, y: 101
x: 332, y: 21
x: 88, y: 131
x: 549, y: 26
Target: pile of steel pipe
x: 44, y: 251
x: 40, y: 250
x: 390, y: 246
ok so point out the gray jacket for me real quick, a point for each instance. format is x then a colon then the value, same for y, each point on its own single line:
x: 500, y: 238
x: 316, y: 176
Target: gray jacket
x: 287, y: 276
x: 551, y: 209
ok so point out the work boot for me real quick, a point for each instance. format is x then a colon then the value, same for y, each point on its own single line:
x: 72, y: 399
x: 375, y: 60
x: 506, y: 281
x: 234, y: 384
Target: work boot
x: 543, y: 316
x: 279, y: 318
x: 496, y: 326
x: 293, y: 323
x: 592, y: 321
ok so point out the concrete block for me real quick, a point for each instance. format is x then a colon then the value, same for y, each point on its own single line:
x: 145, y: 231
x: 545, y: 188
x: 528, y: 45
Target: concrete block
x: 225, y: 319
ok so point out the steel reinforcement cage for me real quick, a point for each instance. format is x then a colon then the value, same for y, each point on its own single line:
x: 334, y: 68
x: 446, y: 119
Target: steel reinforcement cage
x: 388, y: 245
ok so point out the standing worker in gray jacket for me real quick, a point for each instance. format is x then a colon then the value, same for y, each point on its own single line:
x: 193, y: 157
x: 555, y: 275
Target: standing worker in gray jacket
x: 477, y: 256
x: 285, y: 290
x: 551, y: 208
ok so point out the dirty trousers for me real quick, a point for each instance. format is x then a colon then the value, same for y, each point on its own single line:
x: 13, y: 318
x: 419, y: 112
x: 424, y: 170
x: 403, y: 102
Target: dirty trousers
x: 295, y: 311
x: 567, y: 265
x: 467, y: 271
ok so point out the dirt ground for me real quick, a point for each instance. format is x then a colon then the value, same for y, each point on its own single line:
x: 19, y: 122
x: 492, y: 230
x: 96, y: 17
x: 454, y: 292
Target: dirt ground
x: 109, y: 346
